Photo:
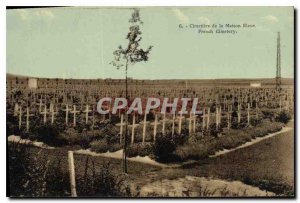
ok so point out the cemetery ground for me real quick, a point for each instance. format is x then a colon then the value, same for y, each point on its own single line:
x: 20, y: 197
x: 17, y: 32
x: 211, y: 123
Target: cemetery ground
x: 168, y: 154
x: 267, y: 165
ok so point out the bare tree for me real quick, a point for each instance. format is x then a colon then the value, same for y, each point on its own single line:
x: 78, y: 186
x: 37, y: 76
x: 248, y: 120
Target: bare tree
x: 124, y: 57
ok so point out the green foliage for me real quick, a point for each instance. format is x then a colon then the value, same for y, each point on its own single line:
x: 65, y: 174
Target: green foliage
x: 95, y: 134
x: 236, y: 125
x: 191, y: 151
x: 179, y: 139
x: 115, y: 147
x: 132, y: 53
x: 283, y: 117
x: 213, y: 130
x: 11, y: 127
x: 99, y: 146
x: 201, y: 148
x: 274, y: 186
x: 103, y: 182
x: 268, y: 114
x: 164, y: 148
x: 35, y: 176
x: 234, y: 139
x: 72, y: 137
x: 108, y: 130
x: 255, y: 121
x: 139, y: 149
x: 49, y: 134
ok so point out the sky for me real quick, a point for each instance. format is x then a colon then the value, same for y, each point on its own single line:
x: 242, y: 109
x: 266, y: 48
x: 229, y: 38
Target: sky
x: 78, y: 42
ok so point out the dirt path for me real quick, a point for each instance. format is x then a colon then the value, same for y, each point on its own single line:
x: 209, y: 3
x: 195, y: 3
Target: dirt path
x: 192, y: 186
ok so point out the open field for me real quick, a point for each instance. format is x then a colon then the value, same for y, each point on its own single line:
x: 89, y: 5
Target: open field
x: 64, y: 118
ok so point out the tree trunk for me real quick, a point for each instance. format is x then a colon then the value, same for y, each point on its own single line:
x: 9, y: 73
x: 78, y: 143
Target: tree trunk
x: 126, y: 123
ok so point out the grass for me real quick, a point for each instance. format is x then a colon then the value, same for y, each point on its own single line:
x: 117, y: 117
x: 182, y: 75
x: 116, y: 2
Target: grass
x: 267, y: 165
x: 202, y: 148
x: 83, y: 167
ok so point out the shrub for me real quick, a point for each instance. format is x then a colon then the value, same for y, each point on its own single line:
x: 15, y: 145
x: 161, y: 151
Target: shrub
x: 255, y: 121
x: 234, y: 138
x: 283, y: 117
x: 95, y: 134
x: 49, y: 134
x: 72, y: 137
x: 236, y: 125
x: 99, y: 146
x: 163, y: 149
x: 179, y: 139
x: 257, y: 132
x: 108, y: 129
x: 148, y: 149
x: 115, y: 147
x: 35, y: 175
x: 11, y: 125
x: 213, y: 145
x: 228, y: 142
x: 104, y: 182
x: 191, y: 151
x: 268, y: 114
x: 113, y: 139
x: 139, y: 149
x: 201, y: 148
x: 214, y: 131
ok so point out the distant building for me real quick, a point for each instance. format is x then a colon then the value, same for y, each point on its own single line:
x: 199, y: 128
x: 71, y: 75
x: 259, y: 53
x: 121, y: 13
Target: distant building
x: 32, y: 83
x: 255, y: 84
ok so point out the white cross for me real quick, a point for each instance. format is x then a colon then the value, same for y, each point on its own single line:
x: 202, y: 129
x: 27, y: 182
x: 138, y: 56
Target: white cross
x: 45, y: 113
x: 164, y: 123
x: 228, y: 121
x: 144, y: 127
x: 74, y: 115
x: 53, y: 112
x: 16, y: 109
x: 280, y: 105
x: 239, y: 113
x: 208, y: 118
x: 87, y: 113
x: 180, y: 122
x: 133, y: 126
x: 121, y: 124
x: 191, y: 119
x: 27, y: 118
x: 248, y: 114
x: 173, y: 124
x: 67, y: 113
x: 155, y: 123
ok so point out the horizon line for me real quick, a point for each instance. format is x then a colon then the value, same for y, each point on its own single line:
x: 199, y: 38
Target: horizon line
x: 131, y: 78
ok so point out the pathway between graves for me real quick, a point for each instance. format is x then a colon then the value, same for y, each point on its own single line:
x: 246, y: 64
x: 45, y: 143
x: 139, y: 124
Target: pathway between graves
x: 146, y: 159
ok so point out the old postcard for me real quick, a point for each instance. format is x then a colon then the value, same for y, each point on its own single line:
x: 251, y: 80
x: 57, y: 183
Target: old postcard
x: 150, y: 102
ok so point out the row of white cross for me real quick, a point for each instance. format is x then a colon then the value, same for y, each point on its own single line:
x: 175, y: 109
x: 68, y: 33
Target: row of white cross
x: 191, y: 122
x: 53, y: 112
x: 155, y: 123
x: 206, y: 116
